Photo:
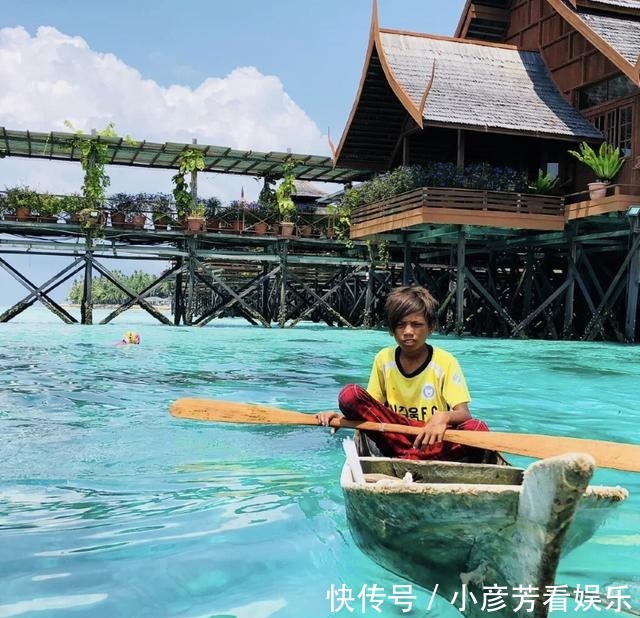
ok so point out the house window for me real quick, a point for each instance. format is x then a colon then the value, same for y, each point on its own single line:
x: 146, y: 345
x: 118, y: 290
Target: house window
x: 616, y: 124
x: 611, y: 89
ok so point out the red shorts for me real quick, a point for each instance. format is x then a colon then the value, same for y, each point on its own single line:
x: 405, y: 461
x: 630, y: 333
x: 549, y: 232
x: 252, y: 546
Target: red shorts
x: 358, y: 405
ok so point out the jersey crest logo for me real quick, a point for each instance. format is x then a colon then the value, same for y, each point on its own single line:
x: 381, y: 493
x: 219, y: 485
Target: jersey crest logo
x: 428, y: 391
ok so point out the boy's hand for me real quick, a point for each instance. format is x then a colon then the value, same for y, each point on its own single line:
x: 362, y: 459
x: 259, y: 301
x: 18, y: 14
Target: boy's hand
x: 433, y: 431
x: 324, y: 418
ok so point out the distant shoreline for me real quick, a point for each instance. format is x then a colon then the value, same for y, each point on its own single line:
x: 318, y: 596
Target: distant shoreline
x: 102, y: 306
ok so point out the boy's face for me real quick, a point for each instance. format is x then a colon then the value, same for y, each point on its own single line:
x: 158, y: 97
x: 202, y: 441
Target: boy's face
x: 411, y: 332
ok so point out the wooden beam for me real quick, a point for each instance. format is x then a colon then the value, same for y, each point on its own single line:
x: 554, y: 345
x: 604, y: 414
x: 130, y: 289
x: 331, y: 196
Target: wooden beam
x: 502, y: 312
x: 610, y: 290
x: 255, y: 284
x: 460, y: 149
x: 41, y: 293
x: 282, y: 312
x: 86, y: 304
x: 633, y: 288
x: 320, y: 301
x: 138, y: 299
x: 460, y: 284
x: 133, y: 300
x: 570, y: 293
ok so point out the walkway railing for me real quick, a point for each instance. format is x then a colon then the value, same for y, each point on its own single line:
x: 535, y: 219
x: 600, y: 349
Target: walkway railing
x: 464, y: 199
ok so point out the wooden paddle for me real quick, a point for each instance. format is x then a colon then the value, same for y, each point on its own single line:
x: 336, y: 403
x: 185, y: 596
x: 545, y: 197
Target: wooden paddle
x: 606, y: 454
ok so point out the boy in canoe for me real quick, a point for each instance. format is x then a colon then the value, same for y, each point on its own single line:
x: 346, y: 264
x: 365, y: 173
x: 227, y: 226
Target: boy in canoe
x: 412, y: 384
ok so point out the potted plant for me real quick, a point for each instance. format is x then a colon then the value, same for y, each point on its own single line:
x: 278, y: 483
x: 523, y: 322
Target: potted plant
x: 48, y: 208
x: 91, y: 219
x: 71, y: 205
x: 284, y: 202
x: 139, y: 210
x: 232, y: 215
x: 195, y: 219
x: 544, y: 183
x: 122, y: 205
x: 212, y: 207
x: 605, y: 163
x: 20, y: 200
x: 260, y: 216
x: 162, y: 210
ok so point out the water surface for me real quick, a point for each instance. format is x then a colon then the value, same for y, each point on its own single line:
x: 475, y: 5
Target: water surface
x: 109, y: 507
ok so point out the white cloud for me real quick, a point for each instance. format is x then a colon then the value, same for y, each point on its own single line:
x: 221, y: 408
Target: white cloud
x: 52, y: 77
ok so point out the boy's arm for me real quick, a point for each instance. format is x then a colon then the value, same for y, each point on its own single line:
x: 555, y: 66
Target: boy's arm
x: 439, y: 422
x: 457, y: 395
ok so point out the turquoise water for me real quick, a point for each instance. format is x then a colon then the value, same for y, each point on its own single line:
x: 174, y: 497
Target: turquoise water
x: 110, y: 507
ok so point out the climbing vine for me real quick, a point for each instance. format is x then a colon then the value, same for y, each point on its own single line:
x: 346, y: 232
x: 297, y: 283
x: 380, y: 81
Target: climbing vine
x: 190, y: 160
x: 285, y: 192
x: 94, y: 155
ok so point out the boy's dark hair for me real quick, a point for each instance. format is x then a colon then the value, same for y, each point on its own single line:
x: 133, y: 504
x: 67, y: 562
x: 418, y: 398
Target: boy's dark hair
x: 405, y: 300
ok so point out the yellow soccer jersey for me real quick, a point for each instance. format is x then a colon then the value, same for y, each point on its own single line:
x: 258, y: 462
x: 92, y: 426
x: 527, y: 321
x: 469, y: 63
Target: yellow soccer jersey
x: 437, y: 385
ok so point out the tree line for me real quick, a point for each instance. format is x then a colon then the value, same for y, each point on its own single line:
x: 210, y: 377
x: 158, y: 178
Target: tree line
x: 104, y: 292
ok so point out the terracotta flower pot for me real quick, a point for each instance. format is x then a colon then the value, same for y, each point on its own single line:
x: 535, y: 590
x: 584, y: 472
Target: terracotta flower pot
x: 260, y: 228
x: 597, y: 190
x: 138, y: 221
x: 160, y: 222
x: 117, y: 219
x: 23, y: 213
x: 286, y: 228
x: 193, y: 225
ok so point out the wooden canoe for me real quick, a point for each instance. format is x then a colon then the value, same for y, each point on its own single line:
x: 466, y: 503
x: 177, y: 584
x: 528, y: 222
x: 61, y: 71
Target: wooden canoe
x: 478, y: 524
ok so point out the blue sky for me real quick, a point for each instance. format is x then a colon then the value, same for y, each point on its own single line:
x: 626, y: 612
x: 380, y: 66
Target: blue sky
x: 246, y: 74
x: 316, y: 48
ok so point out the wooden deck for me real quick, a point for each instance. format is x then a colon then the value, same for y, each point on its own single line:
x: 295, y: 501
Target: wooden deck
x: 618, y: 199
x: 496, y: 209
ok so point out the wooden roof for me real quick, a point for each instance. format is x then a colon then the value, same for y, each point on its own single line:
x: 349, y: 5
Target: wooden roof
x: 413, y: 80
x: 59, y: 146
x: 483, y: 87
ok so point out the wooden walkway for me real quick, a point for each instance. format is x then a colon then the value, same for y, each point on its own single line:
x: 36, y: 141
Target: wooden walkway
x: 579, y: 280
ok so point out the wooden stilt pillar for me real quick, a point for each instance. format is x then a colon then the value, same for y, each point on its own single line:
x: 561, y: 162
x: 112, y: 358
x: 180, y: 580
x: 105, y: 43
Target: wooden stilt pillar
x: 178, y: 300
x: 633, y: 286
x: 264, y: 293
x: 86, y: 305
x: 191, y: 283
x: 407, y: 275
x: 460, y: 283
x: 529, y: 275
x: 460, y: 150
x: 367, y: 320
x: 282, y: 309
x: 570, y: 293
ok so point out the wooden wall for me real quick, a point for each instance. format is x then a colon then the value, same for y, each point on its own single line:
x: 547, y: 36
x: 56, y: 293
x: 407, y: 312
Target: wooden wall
x: 573, y: 63
x: 572, y: 60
